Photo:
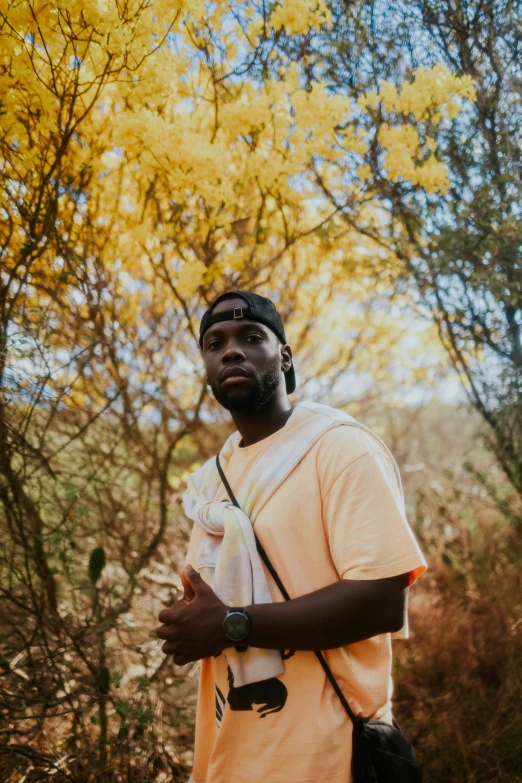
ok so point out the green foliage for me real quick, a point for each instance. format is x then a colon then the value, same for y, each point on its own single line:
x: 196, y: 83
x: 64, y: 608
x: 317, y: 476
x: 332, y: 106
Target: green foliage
x: 123, y: 708
x: 142, y: 681
x: 71, y: 491
x: 145, y: 716
x: 96, y: 564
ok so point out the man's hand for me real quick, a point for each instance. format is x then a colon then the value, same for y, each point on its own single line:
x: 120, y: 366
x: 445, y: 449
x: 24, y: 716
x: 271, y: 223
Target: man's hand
x: 193, y: 627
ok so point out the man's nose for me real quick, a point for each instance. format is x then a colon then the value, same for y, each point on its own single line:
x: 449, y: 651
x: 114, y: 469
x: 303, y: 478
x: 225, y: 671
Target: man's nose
x: 232, y: 352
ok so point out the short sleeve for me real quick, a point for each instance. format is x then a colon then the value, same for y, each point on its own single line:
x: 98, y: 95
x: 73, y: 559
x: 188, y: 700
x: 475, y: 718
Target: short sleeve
x: 366, y: 525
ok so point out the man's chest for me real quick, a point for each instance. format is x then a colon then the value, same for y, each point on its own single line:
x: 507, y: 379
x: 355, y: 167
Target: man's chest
x: 289, y: 525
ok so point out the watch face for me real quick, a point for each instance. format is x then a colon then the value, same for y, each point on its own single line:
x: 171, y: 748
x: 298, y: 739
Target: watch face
x: 237, y: 626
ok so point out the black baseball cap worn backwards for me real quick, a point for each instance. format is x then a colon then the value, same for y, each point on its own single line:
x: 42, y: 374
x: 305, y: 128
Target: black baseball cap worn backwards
x: 257, y: 308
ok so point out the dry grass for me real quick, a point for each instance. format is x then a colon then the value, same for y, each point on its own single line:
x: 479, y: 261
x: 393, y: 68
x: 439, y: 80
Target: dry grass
x: 459, y: 679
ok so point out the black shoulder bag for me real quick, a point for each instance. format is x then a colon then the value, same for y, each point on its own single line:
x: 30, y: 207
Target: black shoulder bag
x: 380, y: 752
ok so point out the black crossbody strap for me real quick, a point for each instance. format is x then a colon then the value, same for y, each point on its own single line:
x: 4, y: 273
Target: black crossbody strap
x: 273, y: 573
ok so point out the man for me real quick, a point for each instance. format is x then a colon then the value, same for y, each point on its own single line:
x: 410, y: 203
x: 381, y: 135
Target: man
x: 323, y: 495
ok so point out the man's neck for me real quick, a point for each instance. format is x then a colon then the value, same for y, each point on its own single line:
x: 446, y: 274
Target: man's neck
x: 254, y: 427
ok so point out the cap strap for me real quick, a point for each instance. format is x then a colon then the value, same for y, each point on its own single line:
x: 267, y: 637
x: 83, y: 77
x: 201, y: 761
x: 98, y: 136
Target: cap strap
x: 231, y: 315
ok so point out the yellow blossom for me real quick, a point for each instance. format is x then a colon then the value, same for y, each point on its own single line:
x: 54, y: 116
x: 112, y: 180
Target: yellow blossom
x: 364, y: 172
x: 190, y: 278
x: 298, y: 16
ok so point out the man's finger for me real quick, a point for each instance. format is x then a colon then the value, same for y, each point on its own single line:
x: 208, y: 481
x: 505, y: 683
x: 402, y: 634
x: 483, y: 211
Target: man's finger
x: 188, y: 590
x: 166, y: 632
x: 168, y: 615
x: 169, y: 648
x: 197, y: 583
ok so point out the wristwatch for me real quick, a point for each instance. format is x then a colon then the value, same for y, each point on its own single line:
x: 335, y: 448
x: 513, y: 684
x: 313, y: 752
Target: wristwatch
x: 236, y: 626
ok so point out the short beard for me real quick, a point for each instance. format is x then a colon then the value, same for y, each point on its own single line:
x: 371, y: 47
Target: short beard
x: 255, y: 399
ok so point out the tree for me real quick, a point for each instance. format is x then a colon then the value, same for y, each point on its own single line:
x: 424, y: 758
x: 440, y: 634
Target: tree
x: 462, y: 246
x: 152, y: 155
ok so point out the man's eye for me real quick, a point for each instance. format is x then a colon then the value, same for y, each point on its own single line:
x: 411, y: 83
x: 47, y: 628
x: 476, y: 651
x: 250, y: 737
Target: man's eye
x: 215, y: 343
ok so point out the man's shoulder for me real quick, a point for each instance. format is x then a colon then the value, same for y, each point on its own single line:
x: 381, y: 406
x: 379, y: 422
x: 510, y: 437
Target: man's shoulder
x: 343, y: 445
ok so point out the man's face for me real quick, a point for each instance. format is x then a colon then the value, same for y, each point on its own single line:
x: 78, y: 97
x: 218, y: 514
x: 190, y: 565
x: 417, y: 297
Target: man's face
x: 244, y: 361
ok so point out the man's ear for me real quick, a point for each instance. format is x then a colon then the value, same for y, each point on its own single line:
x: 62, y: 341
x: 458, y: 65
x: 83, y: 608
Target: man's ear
x: 286, y: 357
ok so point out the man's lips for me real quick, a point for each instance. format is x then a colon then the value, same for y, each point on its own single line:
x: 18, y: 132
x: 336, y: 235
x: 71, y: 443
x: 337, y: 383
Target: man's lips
x: 234, y: 375
x: 234, y: 379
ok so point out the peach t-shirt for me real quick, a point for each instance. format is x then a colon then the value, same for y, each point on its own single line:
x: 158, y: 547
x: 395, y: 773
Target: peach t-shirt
x: 338, y: 515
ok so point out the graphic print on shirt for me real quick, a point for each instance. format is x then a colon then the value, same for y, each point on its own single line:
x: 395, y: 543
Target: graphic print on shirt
x: 270, y: 694
x: 220, y: 706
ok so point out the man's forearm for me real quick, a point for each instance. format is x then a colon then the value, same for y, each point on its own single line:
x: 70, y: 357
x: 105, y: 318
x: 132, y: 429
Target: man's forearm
x: 342, y: 613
